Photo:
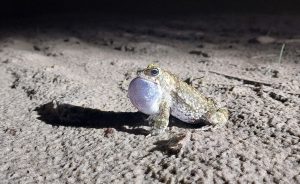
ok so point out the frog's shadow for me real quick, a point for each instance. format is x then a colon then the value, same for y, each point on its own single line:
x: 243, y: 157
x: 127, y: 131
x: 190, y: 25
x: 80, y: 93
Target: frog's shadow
x: 75, y: 116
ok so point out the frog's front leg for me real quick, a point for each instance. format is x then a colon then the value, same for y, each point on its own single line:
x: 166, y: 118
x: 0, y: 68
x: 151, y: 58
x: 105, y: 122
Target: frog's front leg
x: 160, y: 121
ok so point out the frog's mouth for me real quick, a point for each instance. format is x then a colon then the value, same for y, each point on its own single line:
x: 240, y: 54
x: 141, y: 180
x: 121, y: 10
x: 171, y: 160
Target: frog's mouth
x: 147, y: 80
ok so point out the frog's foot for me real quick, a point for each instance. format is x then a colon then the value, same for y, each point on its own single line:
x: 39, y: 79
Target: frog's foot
x: 206, y: 128
x: 154, y: 131
x: 219, y: 117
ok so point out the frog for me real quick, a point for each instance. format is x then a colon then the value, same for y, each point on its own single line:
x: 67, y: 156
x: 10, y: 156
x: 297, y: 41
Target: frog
x: 160, y: 94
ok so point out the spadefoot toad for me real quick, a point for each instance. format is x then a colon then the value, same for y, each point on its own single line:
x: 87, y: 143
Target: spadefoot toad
x: 159, y: 93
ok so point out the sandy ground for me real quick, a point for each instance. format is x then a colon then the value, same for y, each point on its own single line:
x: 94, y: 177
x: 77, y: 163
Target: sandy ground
x: 65, y: 117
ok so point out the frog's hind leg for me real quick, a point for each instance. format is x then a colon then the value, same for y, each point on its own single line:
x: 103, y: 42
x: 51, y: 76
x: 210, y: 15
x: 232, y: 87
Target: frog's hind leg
x: 218, y: 117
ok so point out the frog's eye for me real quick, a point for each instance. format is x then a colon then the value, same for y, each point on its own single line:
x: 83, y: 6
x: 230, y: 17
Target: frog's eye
x: 154, y: 71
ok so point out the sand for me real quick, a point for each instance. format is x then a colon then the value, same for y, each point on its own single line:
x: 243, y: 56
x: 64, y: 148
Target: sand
x: 65, y: 116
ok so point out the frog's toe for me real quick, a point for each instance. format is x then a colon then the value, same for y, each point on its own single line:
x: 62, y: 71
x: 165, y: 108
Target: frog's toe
x: 219, y: 117
x: 157, y: 131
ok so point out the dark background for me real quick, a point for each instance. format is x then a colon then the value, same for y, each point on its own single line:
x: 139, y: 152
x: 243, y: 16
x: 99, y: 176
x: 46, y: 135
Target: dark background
x: 35, y: 8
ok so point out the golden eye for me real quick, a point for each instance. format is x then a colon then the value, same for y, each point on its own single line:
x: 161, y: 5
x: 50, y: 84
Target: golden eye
x: 154, y: 72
